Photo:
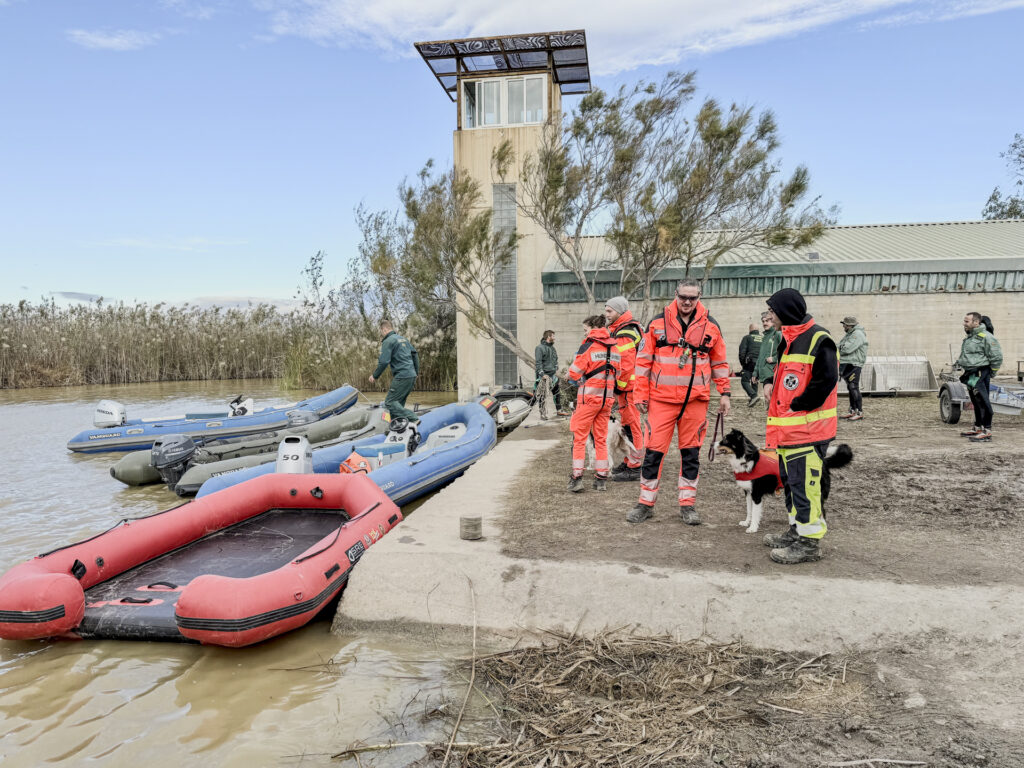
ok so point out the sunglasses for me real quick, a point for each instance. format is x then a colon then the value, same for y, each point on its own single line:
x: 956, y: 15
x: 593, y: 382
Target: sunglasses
x: 690, y: 299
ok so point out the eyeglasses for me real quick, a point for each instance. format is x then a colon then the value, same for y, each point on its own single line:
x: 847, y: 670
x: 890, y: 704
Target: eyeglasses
x: 687, y: 299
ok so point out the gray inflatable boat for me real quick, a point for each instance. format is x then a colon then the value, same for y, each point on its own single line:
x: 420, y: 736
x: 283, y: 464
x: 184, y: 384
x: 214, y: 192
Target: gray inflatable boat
x: 174, y: 457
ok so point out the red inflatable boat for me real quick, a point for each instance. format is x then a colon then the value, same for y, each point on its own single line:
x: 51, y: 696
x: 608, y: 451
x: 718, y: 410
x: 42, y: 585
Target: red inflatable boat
x: 232, y: 568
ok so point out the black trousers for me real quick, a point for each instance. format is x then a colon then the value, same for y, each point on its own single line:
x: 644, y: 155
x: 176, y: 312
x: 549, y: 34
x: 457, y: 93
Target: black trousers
x: 851, y: 375
x: 980, y: 396
x: 745, y: 380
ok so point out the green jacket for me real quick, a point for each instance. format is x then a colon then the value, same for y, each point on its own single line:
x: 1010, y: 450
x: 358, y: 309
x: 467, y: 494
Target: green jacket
x: 853, y: 349
x: 979, y: 349
x: 397, y: 352
x: 547, y: 359
x: 750, y: 345
x: 764, y: 370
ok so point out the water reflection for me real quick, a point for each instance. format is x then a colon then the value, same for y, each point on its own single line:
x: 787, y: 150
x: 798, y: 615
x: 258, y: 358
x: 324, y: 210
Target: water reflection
x: 307, y: 694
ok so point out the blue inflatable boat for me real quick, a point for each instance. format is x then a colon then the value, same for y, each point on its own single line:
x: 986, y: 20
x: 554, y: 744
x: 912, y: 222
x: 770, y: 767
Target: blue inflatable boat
x: 114, y: 432
x: 404, y: 463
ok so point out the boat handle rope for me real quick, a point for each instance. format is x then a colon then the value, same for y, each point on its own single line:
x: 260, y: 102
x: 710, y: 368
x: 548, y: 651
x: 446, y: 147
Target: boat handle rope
x: 337, y: 533
x: 455, y: 444
x: 118, y: 524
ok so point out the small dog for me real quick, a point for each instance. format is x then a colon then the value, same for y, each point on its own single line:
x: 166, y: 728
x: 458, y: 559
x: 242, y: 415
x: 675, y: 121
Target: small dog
x: 619, y: 445
x: 757, y: 472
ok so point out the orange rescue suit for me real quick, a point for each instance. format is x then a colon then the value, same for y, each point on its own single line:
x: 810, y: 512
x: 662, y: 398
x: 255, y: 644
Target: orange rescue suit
x: 594, y: 369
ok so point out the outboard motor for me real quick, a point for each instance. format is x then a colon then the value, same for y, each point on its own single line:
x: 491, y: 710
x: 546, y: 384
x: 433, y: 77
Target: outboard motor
x: 109, y: 413
x: 294, y: 456
x: 300, y: 417
x: 401, y: 430
x: 241, y: 406
x: 170, y: 457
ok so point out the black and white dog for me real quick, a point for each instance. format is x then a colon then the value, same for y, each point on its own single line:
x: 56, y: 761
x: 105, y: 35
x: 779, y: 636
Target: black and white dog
x: 757, y: 472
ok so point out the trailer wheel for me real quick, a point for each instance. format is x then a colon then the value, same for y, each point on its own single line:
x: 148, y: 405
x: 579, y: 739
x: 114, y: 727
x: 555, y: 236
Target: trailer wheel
x: 948, y: 410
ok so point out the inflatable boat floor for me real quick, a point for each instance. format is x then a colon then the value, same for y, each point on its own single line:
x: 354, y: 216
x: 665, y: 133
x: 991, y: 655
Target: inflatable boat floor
x: 139, y: 603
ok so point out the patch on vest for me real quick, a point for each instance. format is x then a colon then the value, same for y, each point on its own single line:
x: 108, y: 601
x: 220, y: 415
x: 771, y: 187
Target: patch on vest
x: 791, y: 381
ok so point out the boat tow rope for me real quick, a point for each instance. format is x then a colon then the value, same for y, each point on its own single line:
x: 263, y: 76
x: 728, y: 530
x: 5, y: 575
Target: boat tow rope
x: 337, y: 533
x: 119, y: 523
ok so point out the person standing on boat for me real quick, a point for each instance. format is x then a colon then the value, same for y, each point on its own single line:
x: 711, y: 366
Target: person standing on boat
x: 396, y: 351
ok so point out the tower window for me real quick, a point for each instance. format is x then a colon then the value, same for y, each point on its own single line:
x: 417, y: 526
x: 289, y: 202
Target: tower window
x: 503, y: 101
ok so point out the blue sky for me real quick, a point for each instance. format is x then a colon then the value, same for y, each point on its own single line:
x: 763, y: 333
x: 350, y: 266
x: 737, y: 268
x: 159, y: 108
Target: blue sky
x: 172, y: 150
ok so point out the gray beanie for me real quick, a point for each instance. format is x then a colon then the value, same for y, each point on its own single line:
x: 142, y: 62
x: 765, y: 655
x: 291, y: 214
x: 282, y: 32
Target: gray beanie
x: 618, y: 304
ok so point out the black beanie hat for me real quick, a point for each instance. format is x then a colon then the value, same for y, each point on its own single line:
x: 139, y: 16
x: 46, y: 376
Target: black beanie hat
x: 789, y: 306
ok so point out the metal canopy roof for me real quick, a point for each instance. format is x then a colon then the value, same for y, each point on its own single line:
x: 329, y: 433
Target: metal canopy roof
x: 564, y: 53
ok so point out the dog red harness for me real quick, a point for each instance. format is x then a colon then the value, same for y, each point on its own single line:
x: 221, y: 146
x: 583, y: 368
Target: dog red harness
x: 766, y: 466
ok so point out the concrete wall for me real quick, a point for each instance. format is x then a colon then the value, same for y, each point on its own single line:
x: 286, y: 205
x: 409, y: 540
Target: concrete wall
x: 472, y: 153
x: 895, y: 324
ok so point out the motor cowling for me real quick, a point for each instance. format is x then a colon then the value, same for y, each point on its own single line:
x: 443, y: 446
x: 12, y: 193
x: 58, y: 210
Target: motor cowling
x: 171, y: 456
x: 241, y: 406
x: 294, y: 456
x: 109, y: 413
x: 300, y: 417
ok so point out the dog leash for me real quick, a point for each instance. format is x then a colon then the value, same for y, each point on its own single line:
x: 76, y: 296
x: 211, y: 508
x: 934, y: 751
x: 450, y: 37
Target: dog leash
x: 719, y: 432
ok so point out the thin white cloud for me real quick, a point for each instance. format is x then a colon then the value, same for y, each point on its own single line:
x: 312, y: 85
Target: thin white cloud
x: 943, y: 10
x: 117, y: 40
x: 191, y: 9
x: 653, y: 32
x: 619, y: 37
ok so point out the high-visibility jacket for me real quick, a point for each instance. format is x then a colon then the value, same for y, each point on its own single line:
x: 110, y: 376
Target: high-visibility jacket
x: 677, y: 365
x: 788, y: 428
x: 627, y: 333
x: 595, y: 367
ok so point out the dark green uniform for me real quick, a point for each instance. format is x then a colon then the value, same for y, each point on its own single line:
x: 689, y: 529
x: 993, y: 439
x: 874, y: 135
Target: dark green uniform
x: 397, y: 352
x: 749, y: 347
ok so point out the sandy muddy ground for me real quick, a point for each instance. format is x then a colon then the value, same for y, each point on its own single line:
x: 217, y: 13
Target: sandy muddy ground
x: 919, y: 504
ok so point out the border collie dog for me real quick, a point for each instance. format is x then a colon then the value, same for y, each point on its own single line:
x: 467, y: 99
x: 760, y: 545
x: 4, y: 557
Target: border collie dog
x: 757, y: 473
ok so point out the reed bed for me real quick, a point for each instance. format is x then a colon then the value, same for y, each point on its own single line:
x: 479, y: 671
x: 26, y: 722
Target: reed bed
x: 626, y: 701
x: 48, y: 345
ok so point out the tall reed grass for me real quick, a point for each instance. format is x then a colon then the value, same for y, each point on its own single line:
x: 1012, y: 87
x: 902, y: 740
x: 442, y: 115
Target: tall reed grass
x: 48, y: 345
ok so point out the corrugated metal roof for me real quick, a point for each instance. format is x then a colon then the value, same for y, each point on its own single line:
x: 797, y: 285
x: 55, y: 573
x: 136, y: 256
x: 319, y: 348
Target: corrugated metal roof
x: 950, y: 241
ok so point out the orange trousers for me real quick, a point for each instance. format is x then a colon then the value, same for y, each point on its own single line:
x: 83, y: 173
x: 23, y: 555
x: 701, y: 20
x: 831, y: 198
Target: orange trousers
x: 590, y: 417
x: 633, y: 426
x: 664, y: 420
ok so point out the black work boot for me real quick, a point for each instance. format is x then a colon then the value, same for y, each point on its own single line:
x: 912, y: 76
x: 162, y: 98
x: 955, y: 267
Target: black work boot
x: 639, y: 513
x: 781, y: 540
x: 689, y: 515
x: 576, y: 484
x: 803, y: 550
x: 626, y: 474
x: 620, y: 467
x: 600, y: 484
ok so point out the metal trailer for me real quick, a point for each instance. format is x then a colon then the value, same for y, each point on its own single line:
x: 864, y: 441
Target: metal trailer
x: 895, y: 375
x: 954, y: 397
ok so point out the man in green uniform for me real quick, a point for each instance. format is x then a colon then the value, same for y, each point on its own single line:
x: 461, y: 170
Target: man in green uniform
x: 853, y: 353
x: 767, y: 356
x: 397, y: 352
x: 546, y: 369
x: 980, y: 357
x: 750, y: 345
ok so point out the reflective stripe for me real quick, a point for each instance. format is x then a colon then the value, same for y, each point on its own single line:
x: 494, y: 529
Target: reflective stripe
x: 716, y: 363
x: 601, y: 464
x: 622, y: 384
x: 667, y: 380
x: 686, y: 494
x: 807, y: 418
x: 813, y: 530
x: 577, y: 463
x: 808, y: 359
x: 648, y: 496
x: 626, y: 347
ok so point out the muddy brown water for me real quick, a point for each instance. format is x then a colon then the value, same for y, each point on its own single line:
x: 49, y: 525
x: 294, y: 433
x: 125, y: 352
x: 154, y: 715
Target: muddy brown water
x: 294, y: 700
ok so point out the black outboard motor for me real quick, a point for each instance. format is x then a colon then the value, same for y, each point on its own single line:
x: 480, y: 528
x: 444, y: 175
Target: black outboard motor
x: 170, y: 457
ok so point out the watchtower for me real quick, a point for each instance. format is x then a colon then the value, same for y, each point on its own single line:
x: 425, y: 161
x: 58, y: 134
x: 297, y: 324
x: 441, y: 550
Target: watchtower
x: 506, y: 88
